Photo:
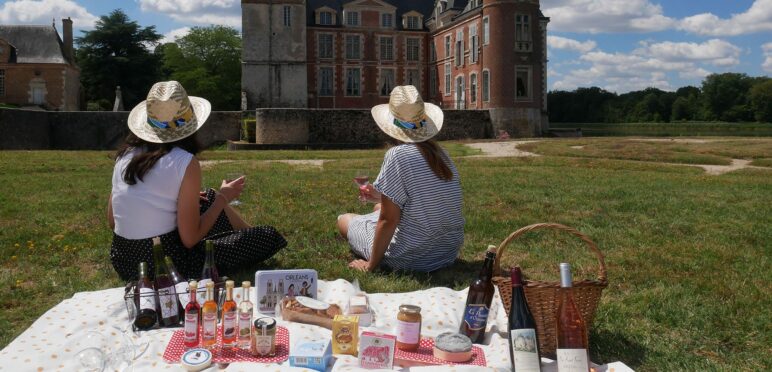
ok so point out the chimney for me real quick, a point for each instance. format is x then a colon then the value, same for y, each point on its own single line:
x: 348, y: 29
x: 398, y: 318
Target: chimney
x: 67, y: 38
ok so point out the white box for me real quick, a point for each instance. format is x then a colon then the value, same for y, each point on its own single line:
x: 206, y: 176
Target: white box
x: 273, y: 285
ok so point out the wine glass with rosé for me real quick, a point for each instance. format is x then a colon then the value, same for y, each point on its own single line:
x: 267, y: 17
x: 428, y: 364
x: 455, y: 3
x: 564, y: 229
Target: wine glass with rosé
x: 361, y: 179
x: 230, y: 177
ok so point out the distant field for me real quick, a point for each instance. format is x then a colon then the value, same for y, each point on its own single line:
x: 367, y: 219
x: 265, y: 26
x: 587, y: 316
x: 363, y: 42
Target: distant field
x: 671, y: 129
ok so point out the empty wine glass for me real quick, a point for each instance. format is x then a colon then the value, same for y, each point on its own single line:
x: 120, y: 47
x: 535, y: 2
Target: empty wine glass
x: 230, y: 177
x: 91, y: 360
x: 361, y: 179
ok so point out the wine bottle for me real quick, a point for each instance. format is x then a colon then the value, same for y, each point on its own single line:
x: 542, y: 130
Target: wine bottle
x: 245, y: 316
x: 167, y: 296
x: 209, y: 319
x: 209, y: 272
x: 478, y: 301
x: 572, y: 343
x: 180, y: 285
x: 524, y: 345
x: 144, y: 300
x: 192, y: 312
x: 229, y: 318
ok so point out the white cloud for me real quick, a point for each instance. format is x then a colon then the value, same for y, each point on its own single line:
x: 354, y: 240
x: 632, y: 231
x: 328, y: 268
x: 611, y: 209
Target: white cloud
x: 758, y: 18
x: 197, y: 12
x: 597, y: 16
x: 172, y: 35
x: 767, y: 65
x: 558, y: 42
x: 41, y: 12
x: 715, y: 51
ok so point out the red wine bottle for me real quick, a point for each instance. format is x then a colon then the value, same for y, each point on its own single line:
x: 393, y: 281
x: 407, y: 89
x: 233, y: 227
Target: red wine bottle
x: 168, y: 304
x: 572, y: 340
x: 144, y: 300
x: 478, y: 301
x: 209, y: 272
x: 523, y: 343
x: 180, y: 285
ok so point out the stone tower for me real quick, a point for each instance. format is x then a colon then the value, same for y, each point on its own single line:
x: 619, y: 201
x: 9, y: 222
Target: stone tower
x: 274, y: 70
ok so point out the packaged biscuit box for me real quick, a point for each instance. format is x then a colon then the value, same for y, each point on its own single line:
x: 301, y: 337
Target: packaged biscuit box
x: 345, y: 334
x: 376, y: 350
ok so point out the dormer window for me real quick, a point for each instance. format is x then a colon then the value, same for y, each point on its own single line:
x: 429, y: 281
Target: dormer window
x: 352, y: 18
x: 325, y: 18
x: 387, y: 20
x: 412, y: 23
x: 412, y: 20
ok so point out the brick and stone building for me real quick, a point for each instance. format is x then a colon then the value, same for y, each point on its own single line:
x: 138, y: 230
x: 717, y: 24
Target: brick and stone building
x: 37, y: 67
x: 461, y: 54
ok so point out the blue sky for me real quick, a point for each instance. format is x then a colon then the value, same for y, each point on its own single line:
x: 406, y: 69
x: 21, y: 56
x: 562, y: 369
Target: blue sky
x: 619, y: 45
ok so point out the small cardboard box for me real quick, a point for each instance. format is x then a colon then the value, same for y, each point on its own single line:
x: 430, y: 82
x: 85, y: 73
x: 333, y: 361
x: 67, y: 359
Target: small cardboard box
x: 376, y: 350
x: 314, y: 355
x: 345, y: 334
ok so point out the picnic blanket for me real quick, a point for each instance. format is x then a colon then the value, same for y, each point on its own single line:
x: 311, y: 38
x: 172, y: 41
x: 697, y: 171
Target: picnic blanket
x: 52, y: 341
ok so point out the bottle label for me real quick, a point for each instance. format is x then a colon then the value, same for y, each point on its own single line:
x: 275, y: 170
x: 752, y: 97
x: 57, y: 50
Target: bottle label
x: 573, y: 360
x: 245, y: 324
x: 525, y: 350
x: 168, y: 302
x: 146, y: 299
x: 191, y: 328
x: 263, y: 345
x: 408, y: 332
x: 182, y: 289
x: 210, y: 325
x: 476, y: 316
x: 229, y: 324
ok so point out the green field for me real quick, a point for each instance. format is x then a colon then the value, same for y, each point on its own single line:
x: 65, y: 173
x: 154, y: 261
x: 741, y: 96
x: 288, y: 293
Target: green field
x: 670, y: 129
x: 688, y: 254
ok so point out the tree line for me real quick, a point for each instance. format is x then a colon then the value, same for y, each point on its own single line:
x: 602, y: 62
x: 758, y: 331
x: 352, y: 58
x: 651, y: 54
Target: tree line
x: 120, y: 52
x: 730, y: 97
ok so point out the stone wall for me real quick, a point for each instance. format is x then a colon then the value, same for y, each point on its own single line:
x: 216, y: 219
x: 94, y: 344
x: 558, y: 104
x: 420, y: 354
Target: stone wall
x: 84, y: 130
x: 333, y: 126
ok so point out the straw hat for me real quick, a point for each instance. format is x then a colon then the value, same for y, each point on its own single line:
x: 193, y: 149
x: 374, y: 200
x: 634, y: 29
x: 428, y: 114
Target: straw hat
x: 168, y: 114
x: 406, y: 117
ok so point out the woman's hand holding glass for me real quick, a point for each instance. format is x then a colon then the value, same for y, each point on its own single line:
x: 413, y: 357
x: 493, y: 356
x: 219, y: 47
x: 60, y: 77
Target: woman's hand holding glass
x: 231, y: 189
x: 369, y: 193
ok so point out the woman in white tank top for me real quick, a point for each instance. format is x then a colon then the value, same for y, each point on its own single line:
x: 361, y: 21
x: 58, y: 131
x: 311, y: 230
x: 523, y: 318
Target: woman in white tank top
x: 156, y: 192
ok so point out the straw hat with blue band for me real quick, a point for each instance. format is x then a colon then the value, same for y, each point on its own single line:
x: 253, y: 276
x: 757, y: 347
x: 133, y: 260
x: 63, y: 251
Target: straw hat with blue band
x: 168, y: 114
x: 407, y: 117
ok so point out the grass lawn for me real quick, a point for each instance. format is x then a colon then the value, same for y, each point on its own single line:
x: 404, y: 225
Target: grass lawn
x: 688, y: 254
x: 671, y: 129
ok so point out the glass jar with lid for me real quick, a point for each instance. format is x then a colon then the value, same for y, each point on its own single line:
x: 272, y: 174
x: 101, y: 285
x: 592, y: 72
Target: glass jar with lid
x: 408, y: 327
x: 264, y: 338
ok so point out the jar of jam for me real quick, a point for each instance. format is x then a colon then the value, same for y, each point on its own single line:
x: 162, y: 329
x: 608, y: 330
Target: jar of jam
x: 264, y: 338
x: 408, y: 327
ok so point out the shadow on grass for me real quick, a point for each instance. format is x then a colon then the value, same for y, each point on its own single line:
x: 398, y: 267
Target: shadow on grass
x: 459, y: 275
x: 609, y: 346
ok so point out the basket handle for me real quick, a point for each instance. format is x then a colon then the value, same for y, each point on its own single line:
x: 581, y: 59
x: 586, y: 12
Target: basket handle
x: 556, y: 226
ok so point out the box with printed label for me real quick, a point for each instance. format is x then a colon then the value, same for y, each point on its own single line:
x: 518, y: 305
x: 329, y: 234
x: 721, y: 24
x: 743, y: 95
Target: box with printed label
x: 313, y: 355
x: 376, y: 350
x: 273, y: 285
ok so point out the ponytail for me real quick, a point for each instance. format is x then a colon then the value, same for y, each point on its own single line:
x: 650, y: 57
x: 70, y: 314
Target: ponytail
x: 436, y: 158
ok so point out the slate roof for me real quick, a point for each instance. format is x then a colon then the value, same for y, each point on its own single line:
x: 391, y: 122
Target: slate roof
x: 34, y: 44
x: 424, y: 7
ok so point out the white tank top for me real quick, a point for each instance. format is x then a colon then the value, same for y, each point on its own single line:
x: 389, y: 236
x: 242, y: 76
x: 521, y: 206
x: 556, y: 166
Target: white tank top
x: 148, y: 208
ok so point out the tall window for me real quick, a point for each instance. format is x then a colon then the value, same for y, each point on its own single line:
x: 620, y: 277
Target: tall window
x: 412, y: 23
x: 460, y: 99
x: 325, y: 46
x: 326, y: 81
x: 325, y: 18
x: 386, y: 83
x: 447, y: 78
x: 522, y: 83
x: 414, y: 78
x: 432, y: 51
x: 287, y: 16
x: 387, y: 49
x: 2, y: 83
x: 352, y: 18
x: 352, y: 47
x: 522, y: 33
x: 413, y: 47
x: 432, y: 81
x: 353, y: 81
x: 473, y: 88
x: 459, y: 48
x: 486, y: 86
x: 473, y: 53
x: 486, y: 30
x: 387, y: 20
x: 447, y: 46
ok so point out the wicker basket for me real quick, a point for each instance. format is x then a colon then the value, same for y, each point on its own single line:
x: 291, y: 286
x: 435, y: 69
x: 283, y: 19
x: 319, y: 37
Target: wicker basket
x: 542, y: 296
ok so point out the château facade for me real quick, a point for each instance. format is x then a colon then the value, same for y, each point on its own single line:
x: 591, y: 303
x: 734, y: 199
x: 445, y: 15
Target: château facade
x: 460, y: 54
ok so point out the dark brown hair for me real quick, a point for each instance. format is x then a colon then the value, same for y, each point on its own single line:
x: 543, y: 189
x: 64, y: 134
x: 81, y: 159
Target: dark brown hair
x: 142, y: 162
x: 437, y: 159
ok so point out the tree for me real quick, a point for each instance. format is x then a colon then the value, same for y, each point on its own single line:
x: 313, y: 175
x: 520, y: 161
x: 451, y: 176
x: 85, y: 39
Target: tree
x: 726, y: 96
x: 116, y: 53
x: 207, y: 61
x: 761, y: 100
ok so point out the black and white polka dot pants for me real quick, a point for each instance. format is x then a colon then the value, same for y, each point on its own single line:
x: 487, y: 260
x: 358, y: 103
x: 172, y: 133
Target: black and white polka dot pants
x: 233, y: 248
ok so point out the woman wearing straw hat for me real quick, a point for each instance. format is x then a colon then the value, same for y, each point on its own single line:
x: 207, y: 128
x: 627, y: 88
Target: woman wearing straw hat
x: 156, y: 192
x: 417, y: 224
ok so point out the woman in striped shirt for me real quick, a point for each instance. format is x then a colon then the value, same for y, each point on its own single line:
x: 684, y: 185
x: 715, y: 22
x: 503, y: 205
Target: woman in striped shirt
x: 418, y: 223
